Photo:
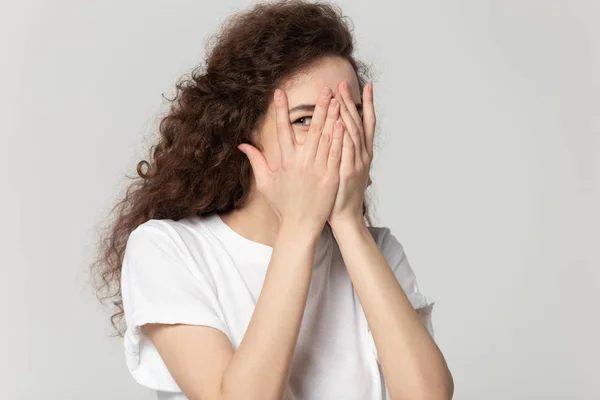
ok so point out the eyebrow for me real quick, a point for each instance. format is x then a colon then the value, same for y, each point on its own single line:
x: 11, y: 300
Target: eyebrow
x: 311, y: 107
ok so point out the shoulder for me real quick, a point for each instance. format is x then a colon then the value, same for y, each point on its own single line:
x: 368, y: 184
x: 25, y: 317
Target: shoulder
x: 182, y: 242
x: 378, y: 232
x: 385, y: 239
x: 156, y: 234
x: 152, y: 241
x: 167, y: 228
x: 164, y: 252
x: 392, y: 250
x: 177, y: 235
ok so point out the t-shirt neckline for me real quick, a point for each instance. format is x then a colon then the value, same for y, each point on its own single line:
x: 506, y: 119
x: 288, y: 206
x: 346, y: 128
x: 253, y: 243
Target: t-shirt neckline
x: 236, y: 236
x: 232, y: 237
x: 226, y: 233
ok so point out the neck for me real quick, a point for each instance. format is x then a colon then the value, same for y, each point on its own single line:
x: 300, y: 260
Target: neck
x: 256, y: 220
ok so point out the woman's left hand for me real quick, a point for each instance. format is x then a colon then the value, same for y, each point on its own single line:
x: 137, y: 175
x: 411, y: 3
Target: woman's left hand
x: 357, y: 154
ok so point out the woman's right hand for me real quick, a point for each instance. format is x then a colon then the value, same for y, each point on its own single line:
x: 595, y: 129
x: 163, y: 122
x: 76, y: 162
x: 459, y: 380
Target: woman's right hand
x: 303, y: 188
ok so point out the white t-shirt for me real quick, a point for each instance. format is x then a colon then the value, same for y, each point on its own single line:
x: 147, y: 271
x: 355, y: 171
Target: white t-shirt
x: 199, y: 271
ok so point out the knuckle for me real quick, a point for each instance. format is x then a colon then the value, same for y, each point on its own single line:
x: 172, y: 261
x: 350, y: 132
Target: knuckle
x: 286, y: 162
x: 306, y: 163
x: 332, y: 112
x: 332, y: 183
x: 280, y: 124
x: 329, y: 179
x: 345, y: 174
x: 261, y: 184
x: 316, y: 127
x: 370, y: 124
x: 350, y: 127
x: 324, y: 101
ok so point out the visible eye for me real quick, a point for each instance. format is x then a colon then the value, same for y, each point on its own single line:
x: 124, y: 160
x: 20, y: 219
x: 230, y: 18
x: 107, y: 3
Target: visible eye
x: 302, y: 121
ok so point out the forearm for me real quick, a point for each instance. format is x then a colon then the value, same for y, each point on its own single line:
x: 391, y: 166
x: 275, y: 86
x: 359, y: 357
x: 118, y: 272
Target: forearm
x: 412, y: 364
x: 260, y: 366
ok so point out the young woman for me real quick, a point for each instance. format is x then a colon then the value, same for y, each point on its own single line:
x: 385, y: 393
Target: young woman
x: 243, y: 258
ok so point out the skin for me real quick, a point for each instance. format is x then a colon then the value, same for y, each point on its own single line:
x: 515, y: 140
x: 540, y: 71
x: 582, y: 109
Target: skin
x: 311, y: 171
x: 257, y: 220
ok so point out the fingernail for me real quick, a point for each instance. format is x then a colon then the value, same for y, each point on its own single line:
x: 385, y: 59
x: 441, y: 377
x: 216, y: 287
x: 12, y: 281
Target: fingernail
x: 277, y: 94
x: 325, y: 91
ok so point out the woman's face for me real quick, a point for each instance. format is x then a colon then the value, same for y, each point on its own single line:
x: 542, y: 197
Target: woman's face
x: 302, y: 91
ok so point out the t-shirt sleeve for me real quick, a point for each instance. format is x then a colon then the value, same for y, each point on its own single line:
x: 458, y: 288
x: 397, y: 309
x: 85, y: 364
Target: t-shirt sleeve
x: 394, y: 254
x: 161, y: 283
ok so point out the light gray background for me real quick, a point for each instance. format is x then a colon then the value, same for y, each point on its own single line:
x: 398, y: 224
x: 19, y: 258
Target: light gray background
x: 487, y: 171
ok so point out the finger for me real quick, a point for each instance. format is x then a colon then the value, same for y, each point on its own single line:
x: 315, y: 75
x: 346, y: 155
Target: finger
x: 344, y: 90
x: 351, y: 128
x: 257, y: 162
x: 346, y: 95
x: 335, y: 151
x: 333, y: 114
x: 348, y: 161
x: 285, y: 133
x: 369, y: 117
x: 317, y: 122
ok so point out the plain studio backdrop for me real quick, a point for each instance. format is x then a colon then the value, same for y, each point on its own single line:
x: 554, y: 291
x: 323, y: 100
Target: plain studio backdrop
x: 487, y: 170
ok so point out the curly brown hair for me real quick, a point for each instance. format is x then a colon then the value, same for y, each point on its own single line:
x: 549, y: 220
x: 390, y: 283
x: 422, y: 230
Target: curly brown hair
x: 196, y: 168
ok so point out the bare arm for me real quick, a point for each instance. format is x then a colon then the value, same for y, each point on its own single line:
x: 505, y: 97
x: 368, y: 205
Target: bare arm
x: 201, y: 359
x: 412, y: 364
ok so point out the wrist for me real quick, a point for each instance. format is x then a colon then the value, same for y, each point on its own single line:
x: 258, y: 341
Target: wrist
x: 301, y: 230
x: 351, y: 222
x: 349, y: 232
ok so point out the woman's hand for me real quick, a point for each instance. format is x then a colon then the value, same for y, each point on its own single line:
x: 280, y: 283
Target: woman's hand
x: 303, y: 188
x: 357, y: 154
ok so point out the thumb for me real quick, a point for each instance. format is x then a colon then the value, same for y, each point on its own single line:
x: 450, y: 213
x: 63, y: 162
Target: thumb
x: 257, y: 161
